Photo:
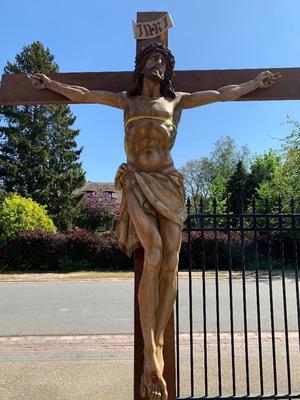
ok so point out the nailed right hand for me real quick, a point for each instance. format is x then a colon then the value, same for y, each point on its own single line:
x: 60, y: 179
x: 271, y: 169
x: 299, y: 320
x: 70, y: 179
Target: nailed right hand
x: 266, y: 79
x: 39, y: 81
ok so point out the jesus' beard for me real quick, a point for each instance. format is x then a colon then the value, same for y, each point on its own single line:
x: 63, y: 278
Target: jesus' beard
x: 155, y: 75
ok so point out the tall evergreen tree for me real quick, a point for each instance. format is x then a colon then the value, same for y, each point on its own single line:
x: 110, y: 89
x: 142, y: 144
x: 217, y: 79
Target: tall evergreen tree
x: 237, y: 187
x: 39, y: 157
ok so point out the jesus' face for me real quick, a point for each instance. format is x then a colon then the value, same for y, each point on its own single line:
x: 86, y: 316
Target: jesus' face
x: 155, y: 67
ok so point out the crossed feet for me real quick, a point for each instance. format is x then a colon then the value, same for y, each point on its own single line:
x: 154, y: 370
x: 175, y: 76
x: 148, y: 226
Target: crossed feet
x: 152, y: 382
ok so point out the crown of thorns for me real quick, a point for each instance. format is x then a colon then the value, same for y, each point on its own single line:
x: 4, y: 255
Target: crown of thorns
x: 155, y: 47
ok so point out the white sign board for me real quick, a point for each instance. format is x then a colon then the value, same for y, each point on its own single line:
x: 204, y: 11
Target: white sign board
x: 152, y: 29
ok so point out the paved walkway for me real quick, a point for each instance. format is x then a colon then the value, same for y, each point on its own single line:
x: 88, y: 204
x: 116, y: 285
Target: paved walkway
x: 92, y: 367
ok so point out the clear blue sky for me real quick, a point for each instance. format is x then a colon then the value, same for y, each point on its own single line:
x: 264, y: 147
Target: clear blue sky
x: 210, y: 34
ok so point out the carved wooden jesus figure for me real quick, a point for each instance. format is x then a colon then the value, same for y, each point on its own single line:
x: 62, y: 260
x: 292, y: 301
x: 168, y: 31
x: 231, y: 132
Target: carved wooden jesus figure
x: 153, y: 201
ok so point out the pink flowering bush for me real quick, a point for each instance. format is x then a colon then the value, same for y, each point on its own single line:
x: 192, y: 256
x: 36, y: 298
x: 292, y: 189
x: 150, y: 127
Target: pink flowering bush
x: 96, y: 210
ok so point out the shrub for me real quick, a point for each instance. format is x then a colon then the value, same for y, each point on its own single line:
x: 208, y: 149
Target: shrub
x: 79, y: 249
x: 96, y: 210
x: 203, y: 250
x: 75, y: 250
x: 210, y: 249
x: 37, y: 250
x: 22, y: 214
x: 66, y: 265
x: 101, y: 251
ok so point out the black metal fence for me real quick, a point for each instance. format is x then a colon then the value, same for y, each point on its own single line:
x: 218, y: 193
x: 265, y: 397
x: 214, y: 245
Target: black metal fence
x: 238, y: 309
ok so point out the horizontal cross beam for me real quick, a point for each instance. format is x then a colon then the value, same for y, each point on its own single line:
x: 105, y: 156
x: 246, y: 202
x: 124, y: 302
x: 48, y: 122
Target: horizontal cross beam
x: 17, y: 89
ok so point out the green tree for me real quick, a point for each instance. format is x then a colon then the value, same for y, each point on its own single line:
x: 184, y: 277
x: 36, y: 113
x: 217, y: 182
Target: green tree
x: 225, y: 157
x: 291, y: 153
x: 263, y: 168
x: 208, y: 176
x: 284, y: 180
x: 19, y: 214
x: 238, y: 189
x: 198, y: 175
x: 3, y: 194
x: 39, y: 157
x: 281, y: 185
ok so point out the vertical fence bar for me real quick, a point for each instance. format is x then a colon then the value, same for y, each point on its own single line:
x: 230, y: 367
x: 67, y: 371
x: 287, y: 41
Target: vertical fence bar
x: 231, y: 301
x: 177, y: 341
x: 286, y: 328
x: 271, y: 297
x: 261, y: 375
x: 203, y: 265
x: 295, y: 262
x: 270, y: 229
x: 244, y: 302
x: 190, y: 296
x: 216, y: 261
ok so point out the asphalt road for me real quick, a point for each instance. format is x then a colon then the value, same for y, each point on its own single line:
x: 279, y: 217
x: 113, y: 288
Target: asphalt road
x: 74, y: 367
x: 106, y: 307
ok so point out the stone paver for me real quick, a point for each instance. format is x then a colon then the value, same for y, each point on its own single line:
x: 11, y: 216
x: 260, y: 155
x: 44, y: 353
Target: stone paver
x: 96, y: 367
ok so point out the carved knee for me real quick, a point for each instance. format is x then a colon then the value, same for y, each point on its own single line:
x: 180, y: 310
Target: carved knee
x: 154, y: 255
x: 152, y: 260
x: 170, y: 263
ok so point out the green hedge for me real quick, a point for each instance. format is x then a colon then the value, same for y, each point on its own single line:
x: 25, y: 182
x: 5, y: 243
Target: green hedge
x: 76, y: 250
x: 82, y: 250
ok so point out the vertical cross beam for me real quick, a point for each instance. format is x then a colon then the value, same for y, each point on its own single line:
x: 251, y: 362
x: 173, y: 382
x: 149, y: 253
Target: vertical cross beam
x: 147, y: 17
x: 169, y: 347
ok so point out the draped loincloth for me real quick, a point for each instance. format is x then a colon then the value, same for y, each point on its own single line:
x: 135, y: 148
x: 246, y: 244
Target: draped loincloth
x: 159, y: 195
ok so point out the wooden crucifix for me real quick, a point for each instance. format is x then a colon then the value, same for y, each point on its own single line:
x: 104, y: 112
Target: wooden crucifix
x: 153, y: 204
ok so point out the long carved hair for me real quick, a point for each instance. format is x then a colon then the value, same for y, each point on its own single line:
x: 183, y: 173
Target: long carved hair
x: 166, y: 88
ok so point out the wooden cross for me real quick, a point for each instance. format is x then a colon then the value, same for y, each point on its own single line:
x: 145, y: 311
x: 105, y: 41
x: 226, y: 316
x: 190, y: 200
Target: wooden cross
x: 17, y: 90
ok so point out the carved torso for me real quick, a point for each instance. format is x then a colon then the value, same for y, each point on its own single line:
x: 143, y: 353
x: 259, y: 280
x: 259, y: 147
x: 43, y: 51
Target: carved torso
x: 148, y: 141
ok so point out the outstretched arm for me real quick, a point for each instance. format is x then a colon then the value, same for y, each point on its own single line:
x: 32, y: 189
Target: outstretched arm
x: 226, y: 93
x: 79, y: 94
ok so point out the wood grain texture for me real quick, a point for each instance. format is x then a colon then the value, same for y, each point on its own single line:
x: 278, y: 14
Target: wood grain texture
x: 17, y: 89
x: 147, y: 17
x: 169, y: 348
